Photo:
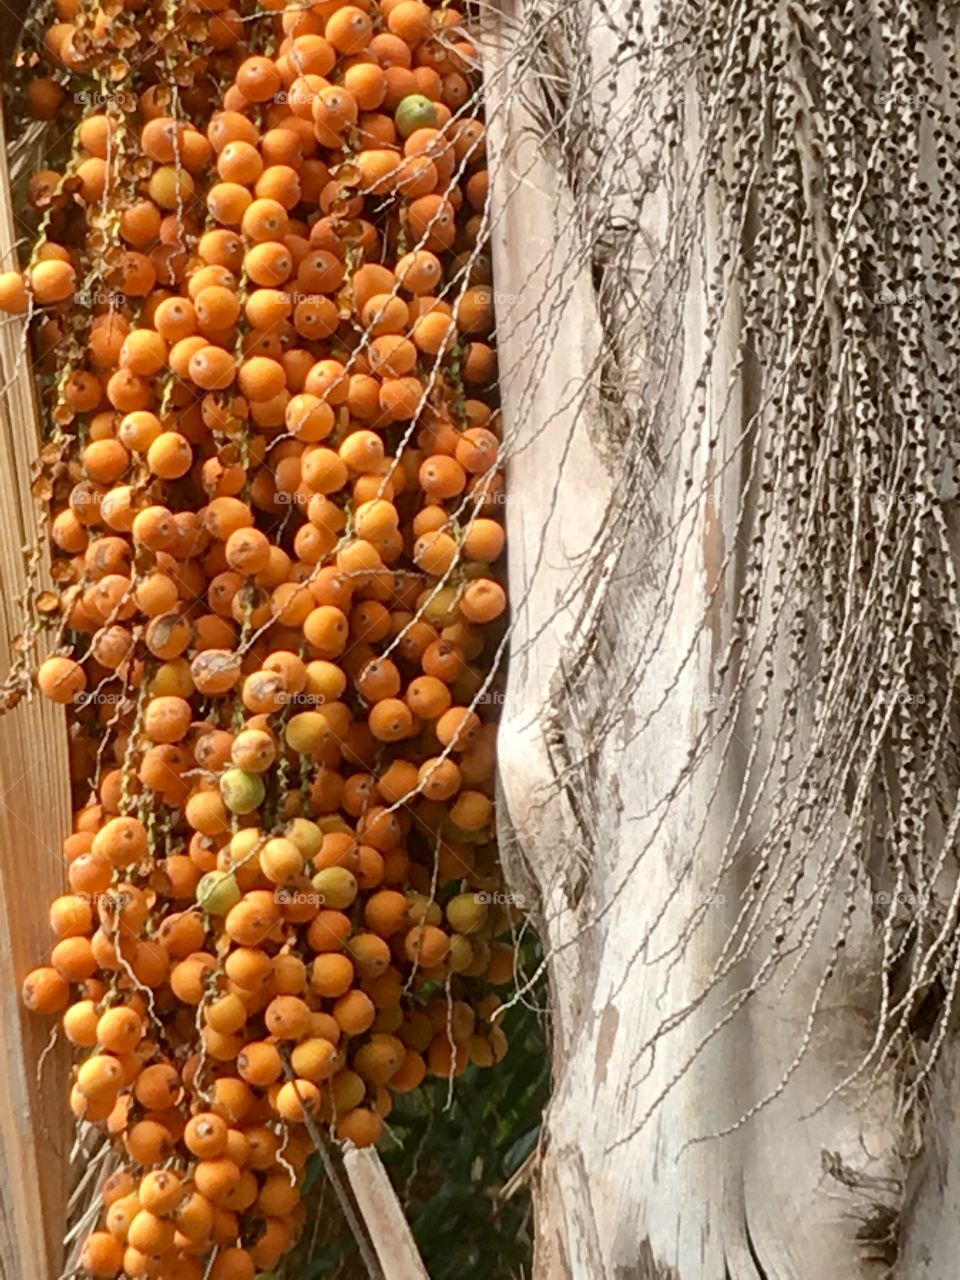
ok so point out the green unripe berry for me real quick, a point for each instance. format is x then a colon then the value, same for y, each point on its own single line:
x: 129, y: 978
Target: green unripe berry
x: 423, y: 910
x: 465, y: 914
x: 441, y: 608
x: 307, y: 732
x: 242, y: 792
x: 170, y: 187
x: 460, y: 955
x: 306, y: 835
x: 218, y: 891
x: 337, y: 886
x: 415, y: 112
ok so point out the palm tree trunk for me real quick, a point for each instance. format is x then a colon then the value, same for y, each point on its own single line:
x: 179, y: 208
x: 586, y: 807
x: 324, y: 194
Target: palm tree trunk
x: 718, y: 923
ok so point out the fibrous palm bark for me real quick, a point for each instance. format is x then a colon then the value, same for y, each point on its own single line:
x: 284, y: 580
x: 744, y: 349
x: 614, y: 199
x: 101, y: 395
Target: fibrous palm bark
x: 725, y: 240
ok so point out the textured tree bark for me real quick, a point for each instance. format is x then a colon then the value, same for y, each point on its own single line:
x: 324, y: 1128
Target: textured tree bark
x: 631, y: 1184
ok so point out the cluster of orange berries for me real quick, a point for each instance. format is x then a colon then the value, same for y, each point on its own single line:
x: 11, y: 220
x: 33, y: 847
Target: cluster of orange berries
x: 276, y: 500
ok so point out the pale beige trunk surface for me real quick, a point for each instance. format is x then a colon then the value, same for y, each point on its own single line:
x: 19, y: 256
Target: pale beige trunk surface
x: 628, y: 1189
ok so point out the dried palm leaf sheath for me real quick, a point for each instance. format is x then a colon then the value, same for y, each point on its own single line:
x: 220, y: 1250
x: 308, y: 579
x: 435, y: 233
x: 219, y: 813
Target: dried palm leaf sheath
x: 35, y: 1124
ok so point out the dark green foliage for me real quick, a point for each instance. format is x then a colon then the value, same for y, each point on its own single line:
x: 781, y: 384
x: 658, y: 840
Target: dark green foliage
x: 450, y: 1164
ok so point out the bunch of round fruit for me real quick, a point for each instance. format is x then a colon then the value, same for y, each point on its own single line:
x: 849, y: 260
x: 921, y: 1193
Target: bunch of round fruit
x: 260, y: 299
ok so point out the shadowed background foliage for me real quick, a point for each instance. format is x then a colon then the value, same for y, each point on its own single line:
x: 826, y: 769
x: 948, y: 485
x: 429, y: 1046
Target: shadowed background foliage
x: 457, y: 1159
